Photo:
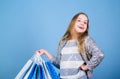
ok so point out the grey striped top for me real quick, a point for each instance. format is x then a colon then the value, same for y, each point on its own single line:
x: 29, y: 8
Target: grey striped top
x: 68, y: 57
x: 71, y: 61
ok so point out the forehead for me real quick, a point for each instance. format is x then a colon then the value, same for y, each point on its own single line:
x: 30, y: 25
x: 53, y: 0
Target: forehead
x: 83, y: 17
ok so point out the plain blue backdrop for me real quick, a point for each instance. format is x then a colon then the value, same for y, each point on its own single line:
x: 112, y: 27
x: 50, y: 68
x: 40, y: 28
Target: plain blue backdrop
x: 29, y: 25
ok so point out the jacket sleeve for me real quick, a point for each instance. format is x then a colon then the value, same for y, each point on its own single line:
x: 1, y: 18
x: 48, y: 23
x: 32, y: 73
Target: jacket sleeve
x: 96, y: 53
x: 56, y: 61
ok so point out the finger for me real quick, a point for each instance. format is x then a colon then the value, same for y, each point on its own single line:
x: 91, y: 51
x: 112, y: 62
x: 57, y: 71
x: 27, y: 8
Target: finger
x: 37, y: 51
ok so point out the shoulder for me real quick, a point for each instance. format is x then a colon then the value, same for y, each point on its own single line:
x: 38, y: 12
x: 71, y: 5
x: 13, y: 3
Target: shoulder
x: 88, y: 39
x: 62, y: 44
x: 89, y: 42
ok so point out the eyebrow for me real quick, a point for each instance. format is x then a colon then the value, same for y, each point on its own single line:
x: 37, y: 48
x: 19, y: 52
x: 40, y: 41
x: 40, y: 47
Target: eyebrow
x: 81, y: 18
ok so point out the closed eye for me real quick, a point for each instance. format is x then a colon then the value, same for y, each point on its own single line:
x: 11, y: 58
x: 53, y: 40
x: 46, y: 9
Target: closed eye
x: 78, y: 20
x: 85, y: 22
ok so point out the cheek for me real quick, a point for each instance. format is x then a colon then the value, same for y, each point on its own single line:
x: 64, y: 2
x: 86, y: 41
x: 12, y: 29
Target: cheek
x: 76, y: 28
x: 85, y: 27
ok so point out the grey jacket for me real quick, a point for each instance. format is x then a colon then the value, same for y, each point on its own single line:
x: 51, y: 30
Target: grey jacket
x: 92, y: 58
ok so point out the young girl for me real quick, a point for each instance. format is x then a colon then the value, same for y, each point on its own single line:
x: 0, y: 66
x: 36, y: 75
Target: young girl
x: 77, y: 54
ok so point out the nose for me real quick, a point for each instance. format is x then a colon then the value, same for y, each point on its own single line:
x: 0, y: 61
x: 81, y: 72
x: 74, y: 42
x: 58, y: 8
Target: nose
x: 82, y: 23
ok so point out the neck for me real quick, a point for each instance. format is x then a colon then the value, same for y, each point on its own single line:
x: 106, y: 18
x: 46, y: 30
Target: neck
x: 74, y: 35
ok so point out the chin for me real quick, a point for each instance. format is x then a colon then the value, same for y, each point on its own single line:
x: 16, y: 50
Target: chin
x: 81, y: 31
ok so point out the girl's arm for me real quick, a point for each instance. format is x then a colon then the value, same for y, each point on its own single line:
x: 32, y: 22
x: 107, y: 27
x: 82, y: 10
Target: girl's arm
x: 95, y: 51
x: 43, y: 51
x: 54, y: 60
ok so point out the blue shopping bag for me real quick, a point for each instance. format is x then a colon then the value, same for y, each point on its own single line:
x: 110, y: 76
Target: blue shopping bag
x: 30, y: 71
x: 51, y: 70
x: 24, y: 70
x: 37, y: 68
x: 33, y: 72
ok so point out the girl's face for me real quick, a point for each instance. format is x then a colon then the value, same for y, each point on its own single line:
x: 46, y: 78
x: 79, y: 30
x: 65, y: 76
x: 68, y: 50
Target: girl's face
x: 81, y: 23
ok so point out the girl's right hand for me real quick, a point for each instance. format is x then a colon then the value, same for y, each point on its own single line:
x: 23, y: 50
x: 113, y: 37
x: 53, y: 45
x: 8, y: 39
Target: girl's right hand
x: 41, y: 51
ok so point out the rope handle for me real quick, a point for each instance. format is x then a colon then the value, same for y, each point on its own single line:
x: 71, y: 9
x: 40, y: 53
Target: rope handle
x: 37, y: 59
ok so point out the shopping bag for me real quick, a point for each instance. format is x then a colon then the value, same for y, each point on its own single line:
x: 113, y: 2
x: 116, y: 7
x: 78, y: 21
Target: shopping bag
x: 37, y: 68
x: 51, y: 70
x: 27, y: 69
x: 24, y: 70
x: 32, y: 73
x: 45, y: 70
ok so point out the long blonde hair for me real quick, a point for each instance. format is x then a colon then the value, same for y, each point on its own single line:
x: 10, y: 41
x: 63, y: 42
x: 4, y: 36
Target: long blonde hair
x: 68, y: 34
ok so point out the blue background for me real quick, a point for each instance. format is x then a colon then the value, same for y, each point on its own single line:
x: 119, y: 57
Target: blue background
x: 29, y: 25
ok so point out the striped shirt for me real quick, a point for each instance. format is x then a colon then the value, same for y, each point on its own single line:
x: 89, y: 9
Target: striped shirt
x: 68, y: 52
x: 70, y: 62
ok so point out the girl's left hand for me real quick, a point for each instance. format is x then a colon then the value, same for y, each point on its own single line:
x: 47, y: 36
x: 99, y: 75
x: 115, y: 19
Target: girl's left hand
x: 83, y: 67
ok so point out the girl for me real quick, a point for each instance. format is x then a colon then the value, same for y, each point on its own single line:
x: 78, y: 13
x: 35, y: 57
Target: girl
x: 77, y: 54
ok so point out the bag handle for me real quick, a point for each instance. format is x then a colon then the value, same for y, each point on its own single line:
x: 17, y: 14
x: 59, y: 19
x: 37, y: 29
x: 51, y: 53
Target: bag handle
x: 38, y: 59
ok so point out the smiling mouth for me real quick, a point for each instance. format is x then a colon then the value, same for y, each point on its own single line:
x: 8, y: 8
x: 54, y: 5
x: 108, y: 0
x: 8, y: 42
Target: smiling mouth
x: 81, y: 27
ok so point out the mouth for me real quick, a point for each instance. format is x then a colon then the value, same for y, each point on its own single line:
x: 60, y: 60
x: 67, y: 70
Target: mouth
x: 80, y: 27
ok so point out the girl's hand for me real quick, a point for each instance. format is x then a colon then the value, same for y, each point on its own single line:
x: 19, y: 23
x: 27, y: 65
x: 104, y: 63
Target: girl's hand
x: 42, y: 51
x: 84, y: 68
